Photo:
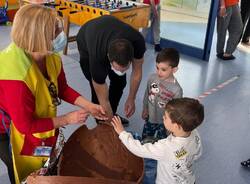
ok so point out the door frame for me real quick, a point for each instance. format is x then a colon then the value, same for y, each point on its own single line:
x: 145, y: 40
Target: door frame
x: 200, y: 53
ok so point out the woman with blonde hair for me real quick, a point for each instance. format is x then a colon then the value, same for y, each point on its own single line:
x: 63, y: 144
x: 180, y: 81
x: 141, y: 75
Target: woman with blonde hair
x: 32, y: 84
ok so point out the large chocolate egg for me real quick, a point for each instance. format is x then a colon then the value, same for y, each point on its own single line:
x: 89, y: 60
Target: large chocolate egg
x: 99, y: 153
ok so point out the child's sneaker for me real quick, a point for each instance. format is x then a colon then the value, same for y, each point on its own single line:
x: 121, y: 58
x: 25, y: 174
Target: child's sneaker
x: 149, y: 140
x: 157, y: 48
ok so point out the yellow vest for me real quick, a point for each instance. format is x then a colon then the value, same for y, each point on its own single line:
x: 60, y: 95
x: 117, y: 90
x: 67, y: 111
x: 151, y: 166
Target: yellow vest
x: 15, y: 64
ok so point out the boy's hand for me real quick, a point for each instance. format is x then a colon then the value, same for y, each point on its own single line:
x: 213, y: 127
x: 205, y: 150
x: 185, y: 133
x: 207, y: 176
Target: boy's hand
x: 117, y: 124
x: 144, y: 114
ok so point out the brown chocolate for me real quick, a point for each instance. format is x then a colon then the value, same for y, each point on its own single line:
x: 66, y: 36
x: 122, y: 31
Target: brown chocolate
x: 98, y: 153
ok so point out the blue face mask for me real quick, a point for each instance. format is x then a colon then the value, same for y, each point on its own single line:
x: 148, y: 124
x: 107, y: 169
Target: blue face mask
x: 59, y: 42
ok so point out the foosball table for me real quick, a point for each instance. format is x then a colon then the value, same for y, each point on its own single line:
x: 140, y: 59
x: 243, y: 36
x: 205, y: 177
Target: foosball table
x: 81, y: 11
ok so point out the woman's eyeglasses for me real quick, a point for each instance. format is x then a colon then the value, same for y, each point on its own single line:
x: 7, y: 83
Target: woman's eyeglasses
x: 53, y: 93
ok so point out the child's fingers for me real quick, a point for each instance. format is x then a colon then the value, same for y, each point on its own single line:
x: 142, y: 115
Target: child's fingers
x: 117, y: 119
x: 113, y: 124
x: 114, y: 119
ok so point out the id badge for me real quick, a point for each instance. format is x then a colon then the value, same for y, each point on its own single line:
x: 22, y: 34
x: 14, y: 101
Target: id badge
x: 42, y: 151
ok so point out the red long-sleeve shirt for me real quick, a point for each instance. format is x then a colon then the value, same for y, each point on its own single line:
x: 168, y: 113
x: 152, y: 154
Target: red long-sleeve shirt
x: 17, y: 100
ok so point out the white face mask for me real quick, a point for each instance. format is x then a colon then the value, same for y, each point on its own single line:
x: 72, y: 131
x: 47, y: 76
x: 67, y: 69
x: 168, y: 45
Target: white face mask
x: 117, y: 72
x: 59, y: 42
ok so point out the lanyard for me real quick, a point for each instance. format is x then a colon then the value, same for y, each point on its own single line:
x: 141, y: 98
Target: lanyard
x: 4, y: 114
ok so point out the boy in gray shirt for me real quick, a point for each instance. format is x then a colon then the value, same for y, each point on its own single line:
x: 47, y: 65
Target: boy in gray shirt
x: 162, y: 87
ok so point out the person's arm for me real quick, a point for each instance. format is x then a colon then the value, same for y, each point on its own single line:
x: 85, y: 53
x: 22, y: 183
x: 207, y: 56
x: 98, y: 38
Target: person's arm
x: 145, y: 102
x: 102, y: 93
x: 135, y: 80
x: 155, y: 151
x: 222, y: 8
x: 155, y: 13
x: 79, y: 116
x: 65, y: 92
x: 222, y: 3
x: 179, y: 93
x: 198, y: 145
x: 96, y: 110
x: 17, y: 94
x: 73, y: 97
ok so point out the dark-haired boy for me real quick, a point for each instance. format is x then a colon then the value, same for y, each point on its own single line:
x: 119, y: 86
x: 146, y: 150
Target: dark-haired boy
x: 162, y: 87
x: 177, y: 153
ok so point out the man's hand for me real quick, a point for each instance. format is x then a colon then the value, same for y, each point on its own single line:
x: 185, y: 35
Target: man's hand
x: 117, y: 124
x: 98, y: 112
x: 109, y: 112
x: 135, y: 80
x: 129, y: 108
x: 102, y: 92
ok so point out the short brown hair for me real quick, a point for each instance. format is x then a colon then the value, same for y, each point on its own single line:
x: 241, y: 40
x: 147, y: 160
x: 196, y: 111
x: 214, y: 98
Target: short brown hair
x: 34, y: 28
x: 168, y: 55
x: 187, y: 112
x: 121, y: 51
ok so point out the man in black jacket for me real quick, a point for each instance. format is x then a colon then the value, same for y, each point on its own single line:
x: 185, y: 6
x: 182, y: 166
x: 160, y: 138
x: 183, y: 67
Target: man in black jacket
x: 107, y: 47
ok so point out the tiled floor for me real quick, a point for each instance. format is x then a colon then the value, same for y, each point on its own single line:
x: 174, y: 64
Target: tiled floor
x: 225, y: 131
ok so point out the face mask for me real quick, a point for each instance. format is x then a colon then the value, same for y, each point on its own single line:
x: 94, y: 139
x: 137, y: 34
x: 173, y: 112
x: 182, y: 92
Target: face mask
x: 59, y: 42
x: 117, y: 72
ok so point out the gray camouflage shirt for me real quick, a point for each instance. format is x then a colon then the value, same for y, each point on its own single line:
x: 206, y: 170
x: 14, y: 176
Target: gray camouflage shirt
x: 157, y: 94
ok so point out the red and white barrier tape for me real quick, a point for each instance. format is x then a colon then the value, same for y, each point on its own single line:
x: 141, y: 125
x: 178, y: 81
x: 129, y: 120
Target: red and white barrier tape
x: 218, y: 87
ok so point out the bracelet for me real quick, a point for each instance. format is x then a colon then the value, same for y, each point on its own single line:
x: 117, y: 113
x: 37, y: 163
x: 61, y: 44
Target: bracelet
x: 222, y: 7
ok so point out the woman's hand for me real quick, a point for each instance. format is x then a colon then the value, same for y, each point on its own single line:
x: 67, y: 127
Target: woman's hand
x: 117, y: 124
x: 79, y: 116
x: 95, y: 110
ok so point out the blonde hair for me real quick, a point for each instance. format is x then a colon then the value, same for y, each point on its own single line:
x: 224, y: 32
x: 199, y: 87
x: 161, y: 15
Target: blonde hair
x: 34, y: 28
